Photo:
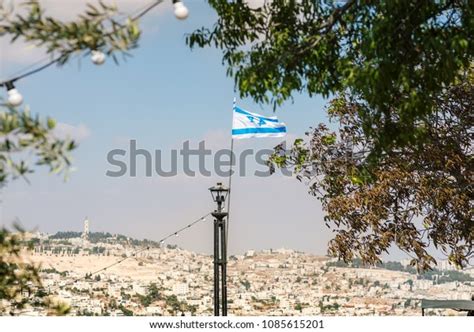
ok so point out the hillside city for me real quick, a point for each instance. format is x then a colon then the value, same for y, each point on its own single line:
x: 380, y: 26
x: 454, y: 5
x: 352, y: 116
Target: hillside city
x: 103, y: 274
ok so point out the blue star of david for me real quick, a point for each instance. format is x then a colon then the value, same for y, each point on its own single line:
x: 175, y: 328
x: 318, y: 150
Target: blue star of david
x: 253, y: 119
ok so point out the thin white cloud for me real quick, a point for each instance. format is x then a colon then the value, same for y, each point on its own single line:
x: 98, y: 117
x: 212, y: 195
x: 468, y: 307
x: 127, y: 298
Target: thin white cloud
x: 217, y: 139
x: 78, y: 133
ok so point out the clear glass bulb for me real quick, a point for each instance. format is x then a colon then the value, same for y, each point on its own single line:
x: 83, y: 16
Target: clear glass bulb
x: 180, y: 10
x: 97, y: 57
x: 14, y: 97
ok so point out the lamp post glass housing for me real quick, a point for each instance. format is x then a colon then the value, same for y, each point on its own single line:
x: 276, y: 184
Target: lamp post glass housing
x: 219, y: 194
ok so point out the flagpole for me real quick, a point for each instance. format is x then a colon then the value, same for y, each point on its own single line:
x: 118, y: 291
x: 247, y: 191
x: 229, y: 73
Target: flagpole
x: 230, y: 182
x: 230, y: 179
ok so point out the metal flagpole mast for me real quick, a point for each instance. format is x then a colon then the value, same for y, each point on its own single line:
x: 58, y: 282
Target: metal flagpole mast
x: 230, y: 180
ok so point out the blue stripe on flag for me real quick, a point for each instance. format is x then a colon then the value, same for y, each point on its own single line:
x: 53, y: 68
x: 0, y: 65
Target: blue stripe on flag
x: 258, y: 130
x: 241, y: 111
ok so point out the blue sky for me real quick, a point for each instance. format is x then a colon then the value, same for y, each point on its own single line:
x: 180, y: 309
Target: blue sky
x: 164, y: 95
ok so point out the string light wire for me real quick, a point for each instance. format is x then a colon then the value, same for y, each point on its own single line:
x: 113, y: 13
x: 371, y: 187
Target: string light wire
x: 121, y: 260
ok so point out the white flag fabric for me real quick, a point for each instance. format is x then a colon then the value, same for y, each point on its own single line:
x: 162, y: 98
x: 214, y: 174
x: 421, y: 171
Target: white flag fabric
x: 247, y: 125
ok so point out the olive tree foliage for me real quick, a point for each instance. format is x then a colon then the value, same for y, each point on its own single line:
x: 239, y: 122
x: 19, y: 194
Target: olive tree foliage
x: 23, y: 134
x: 416, y: 198
x: 96, y: 29
x: 16, y: 276
x: 20, y: 283
x: 395, y: 55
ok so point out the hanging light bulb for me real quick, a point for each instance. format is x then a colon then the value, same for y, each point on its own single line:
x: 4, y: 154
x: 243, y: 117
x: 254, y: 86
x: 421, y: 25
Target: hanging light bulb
x: 176, y: 234
x: 180, y: 10
x: 97, y: 57
x: 203, y: 219
x: 14, y: 97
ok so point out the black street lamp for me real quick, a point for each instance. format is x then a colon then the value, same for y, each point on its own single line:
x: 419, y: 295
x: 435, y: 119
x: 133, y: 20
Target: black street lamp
x: 219, y: 194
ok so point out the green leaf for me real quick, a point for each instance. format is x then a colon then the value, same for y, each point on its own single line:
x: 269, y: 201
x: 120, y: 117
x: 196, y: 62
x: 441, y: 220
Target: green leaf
x: 51, y: 123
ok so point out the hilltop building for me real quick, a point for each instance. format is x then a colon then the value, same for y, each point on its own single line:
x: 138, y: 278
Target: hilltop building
x: 85, y: 233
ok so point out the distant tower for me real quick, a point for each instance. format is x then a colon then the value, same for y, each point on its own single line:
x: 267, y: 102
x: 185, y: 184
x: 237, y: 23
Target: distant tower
x: 85, y: 234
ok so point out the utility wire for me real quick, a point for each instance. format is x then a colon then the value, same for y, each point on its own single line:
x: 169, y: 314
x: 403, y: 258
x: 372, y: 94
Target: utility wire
x: 142, y: 13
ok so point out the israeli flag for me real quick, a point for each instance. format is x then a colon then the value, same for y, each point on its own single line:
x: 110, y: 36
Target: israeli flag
x: 247, y: 125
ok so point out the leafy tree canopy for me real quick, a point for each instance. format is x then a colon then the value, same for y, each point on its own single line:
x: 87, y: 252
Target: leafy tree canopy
x: 394, y: 55
x: 22, y: 133
x: 417, y: 196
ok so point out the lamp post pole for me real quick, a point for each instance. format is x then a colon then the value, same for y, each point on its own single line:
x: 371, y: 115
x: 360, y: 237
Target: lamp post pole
x: 219, y: 193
